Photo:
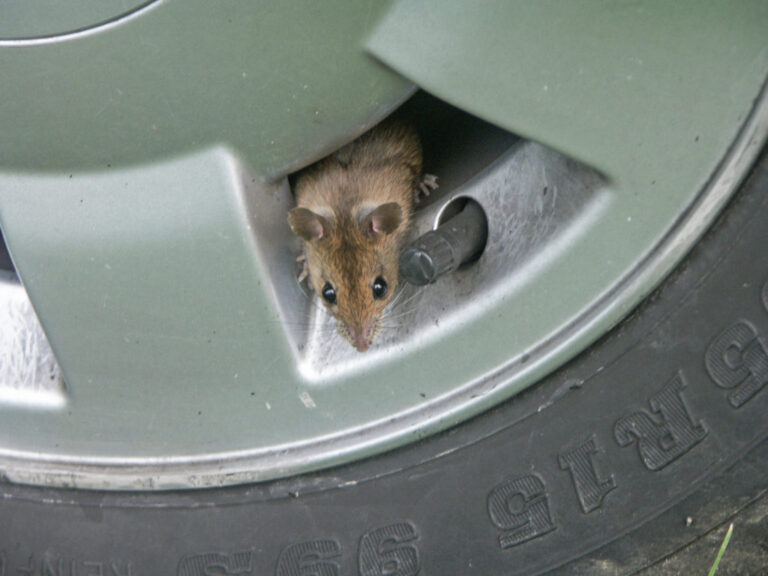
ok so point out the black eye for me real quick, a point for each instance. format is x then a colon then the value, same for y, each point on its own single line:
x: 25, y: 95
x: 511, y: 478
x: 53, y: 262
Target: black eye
x: 379, y: 288
x: 329, y: 294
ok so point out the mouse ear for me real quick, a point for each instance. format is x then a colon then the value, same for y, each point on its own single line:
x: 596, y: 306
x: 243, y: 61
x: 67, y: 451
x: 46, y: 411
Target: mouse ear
x: 383, y: 220
x: 306, y: 224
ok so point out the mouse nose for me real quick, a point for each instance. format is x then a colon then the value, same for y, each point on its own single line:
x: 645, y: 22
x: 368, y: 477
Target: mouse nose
x: 362, y: 337
x: 361, y: 343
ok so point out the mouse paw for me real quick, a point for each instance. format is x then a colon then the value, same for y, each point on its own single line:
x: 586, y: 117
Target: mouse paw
x: 427, y: 184
x: 304, y: 272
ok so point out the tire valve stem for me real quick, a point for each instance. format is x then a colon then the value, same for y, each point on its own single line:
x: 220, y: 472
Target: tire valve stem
x: 457, y: 241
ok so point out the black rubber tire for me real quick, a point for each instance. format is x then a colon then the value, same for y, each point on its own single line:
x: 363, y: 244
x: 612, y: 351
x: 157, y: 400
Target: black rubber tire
x: 644, y: 444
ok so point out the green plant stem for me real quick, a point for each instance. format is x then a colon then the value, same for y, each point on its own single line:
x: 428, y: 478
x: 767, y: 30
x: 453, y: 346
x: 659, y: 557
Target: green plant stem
x: 720, y: 553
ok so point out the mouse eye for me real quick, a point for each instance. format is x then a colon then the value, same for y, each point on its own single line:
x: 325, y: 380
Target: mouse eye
x: 379, y: 288
x: 329, y: 294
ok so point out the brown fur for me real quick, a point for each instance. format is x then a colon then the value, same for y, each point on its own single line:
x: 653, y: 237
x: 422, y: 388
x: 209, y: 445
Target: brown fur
x: 349, y: 196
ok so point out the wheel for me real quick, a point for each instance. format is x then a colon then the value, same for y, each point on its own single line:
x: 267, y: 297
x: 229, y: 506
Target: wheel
x: 199, y: 425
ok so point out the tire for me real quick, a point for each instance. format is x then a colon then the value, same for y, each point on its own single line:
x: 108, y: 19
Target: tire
x: 642, y: 445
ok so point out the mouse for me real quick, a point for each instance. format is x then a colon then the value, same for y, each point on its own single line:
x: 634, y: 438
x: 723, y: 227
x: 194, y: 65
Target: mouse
x: 353, y: 213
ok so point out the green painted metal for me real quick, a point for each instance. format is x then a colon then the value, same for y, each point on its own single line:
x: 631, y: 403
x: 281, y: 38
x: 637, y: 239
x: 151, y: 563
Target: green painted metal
x: 131, y: 223
x: 651, y: 93
x: 639, y: 90
x: 281, y: 82
x: 26, y: 19
x: 165, y: 307
x: 149, y: 288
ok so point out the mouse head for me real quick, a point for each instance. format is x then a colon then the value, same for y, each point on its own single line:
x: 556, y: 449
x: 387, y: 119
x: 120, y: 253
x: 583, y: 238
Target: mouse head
x: 353, y: 264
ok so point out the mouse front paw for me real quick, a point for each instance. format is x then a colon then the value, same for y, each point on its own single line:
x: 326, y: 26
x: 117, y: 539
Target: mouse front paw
x: 427, y: 184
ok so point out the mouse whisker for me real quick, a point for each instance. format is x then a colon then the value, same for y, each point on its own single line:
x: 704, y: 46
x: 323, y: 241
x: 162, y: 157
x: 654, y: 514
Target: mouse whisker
x: 399, y: 318
x: 399, y: 311
x: 398, y: 296
x: 410, y: 298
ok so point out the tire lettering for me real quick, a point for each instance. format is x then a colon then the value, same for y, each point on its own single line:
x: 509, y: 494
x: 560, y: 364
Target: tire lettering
x: 53, y: 566
x: 235, y: 564
x: 520, y: 507
x: 389, y: 551
x: 666, y: 437
x: 580, y: 462
x: 738, y: 361
x: 313, y: 558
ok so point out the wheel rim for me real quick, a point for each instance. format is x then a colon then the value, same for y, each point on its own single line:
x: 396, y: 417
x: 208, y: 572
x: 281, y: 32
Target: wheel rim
x: 454, y: 405
x: 160, y: 262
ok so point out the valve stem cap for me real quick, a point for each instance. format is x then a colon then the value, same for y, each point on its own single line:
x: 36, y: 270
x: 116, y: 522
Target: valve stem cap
x: 427, y: 259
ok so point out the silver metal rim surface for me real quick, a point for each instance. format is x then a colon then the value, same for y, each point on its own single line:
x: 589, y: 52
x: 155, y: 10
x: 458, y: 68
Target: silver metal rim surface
x: 245, y: 466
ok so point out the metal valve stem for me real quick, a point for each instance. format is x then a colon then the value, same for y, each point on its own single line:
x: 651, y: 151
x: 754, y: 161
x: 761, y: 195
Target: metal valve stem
x: 455, y: 242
